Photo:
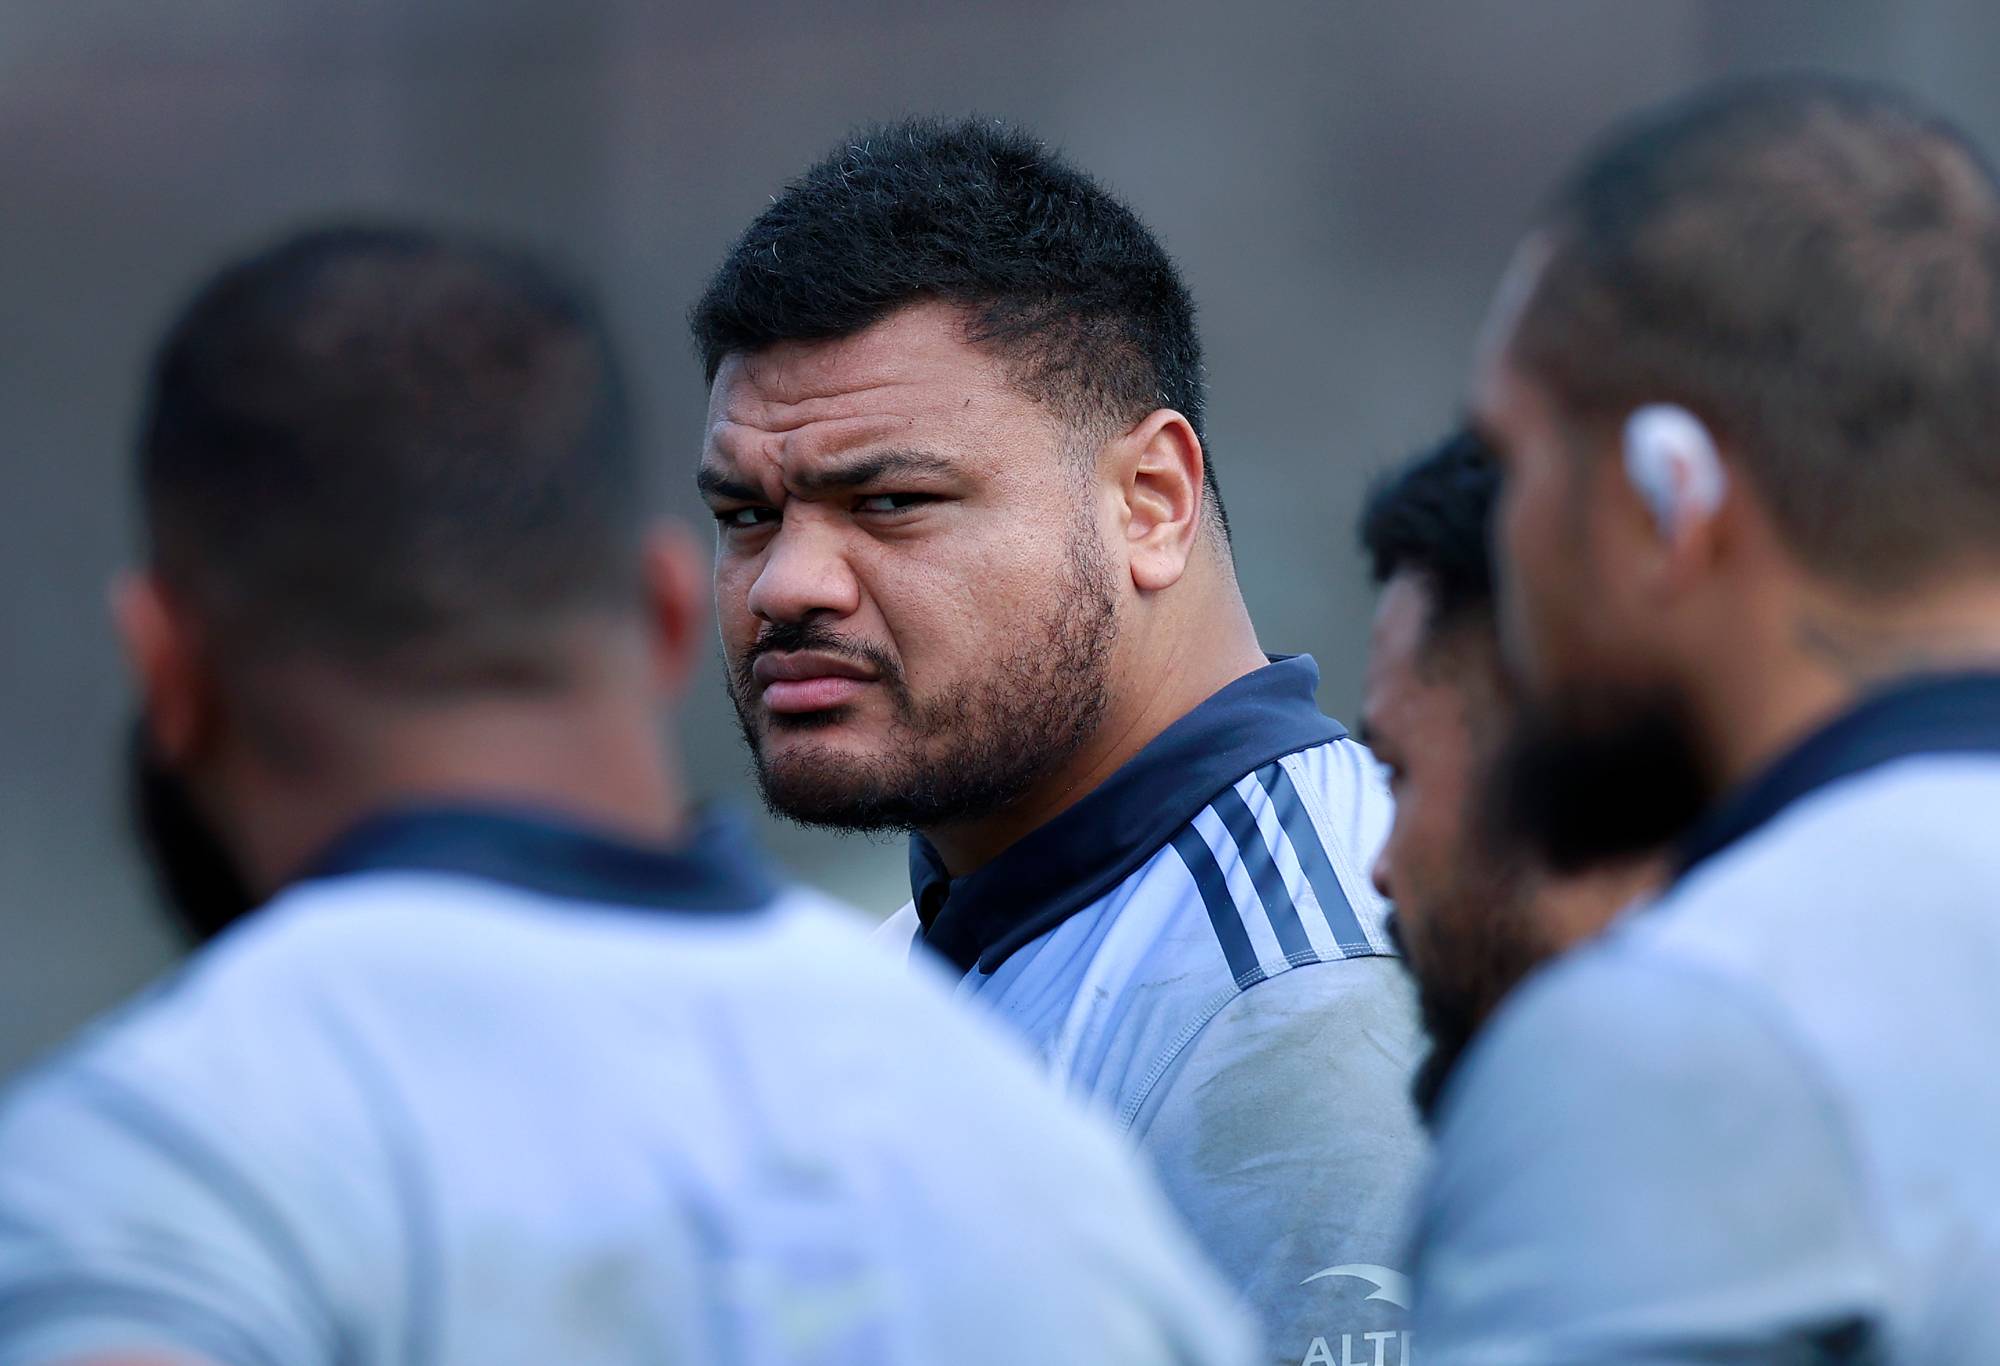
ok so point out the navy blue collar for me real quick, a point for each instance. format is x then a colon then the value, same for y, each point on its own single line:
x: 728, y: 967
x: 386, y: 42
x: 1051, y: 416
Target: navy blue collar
x: 1940, y: 714
x: 716, y: 868
x: 1056, y: 870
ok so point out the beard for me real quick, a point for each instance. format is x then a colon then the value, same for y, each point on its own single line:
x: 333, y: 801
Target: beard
x: 1473, y: 942
x: 203, y: 889
x: 1601, y: 777
x: 1576, y: 788
x: 960, y: 756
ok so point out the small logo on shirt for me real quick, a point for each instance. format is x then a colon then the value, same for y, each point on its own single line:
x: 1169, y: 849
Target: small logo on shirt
x: 1392, y: 1286
x: 1384, y: 1347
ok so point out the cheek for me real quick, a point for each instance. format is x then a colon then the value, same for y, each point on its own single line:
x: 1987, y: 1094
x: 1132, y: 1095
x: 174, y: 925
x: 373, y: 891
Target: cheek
x: 955, y: 604
x: 1419, y: 843
x: 1540, y: 569
x: 733, y: 618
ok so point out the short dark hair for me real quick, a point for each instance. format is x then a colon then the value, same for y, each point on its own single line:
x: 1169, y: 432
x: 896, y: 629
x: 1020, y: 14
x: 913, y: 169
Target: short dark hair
x: 1431, y: 517
x: 394, y: 449
x: 1812, y: 266
x: 1055, y: 272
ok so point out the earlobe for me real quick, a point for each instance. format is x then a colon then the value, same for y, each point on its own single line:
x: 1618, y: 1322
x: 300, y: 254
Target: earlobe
x: 1164, y: 498
x: 676, y: 598
x: 165, y: 663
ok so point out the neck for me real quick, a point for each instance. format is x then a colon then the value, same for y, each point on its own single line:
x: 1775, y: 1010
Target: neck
x: 1834, y: 650
x: 599, y: 761
x: 1153, y: 686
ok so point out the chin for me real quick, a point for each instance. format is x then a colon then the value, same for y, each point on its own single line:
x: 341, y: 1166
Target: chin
x: 819, y: 789
x: 821, y: 737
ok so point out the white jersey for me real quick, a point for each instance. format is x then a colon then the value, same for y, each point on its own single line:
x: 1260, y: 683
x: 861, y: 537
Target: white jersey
x: 490, y: 1089
x: 1196, y: 948
x: 1759, y: 1119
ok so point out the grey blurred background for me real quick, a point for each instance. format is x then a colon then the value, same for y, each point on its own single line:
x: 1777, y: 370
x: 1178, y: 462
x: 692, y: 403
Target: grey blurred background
x: 1341, y: 181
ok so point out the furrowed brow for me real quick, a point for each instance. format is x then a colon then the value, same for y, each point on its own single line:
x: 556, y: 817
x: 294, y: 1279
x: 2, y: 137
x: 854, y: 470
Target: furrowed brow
x: 866, y: 469
x: 714, y: 484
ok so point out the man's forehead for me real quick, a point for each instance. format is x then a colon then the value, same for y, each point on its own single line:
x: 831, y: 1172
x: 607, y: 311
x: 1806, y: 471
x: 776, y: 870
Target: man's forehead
x: 1516, y: 291
x: 1414, y: 655
x: 910, y: 371
x: 1395, y: 637
x: 1402, y: 616
x: 1495, y: 382
x: 916, y: 347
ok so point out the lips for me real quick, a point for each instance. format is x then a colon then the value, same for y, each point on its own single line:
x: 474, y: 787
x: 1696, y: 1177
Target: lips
x: 810, y: 680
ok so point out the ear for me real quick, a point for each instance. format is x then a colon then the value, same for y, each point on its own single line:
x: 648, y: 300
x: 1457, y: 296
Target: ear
x: 163, y: 650
x: 1674, y: 468
x: 1159, y: 466
x: 677, y: 593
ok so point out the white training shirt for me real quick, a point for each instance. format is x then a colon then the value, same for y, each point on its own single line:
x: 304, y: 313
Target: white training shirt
x: 488, y: 1088
x: 1759, y: 1119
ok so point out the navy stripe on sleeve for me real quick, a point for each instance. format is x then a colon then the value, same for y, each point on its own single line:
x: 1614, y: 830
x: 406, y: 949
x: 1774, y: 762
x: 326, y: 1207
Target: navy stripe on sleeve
x: 1292, y: 814
x: 1222, y: 912
x: 1264, y: 872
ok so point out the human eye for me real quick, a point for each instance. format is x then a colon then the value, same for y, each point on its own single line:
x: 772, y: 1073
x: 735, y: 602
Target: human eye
x: 888, y: 504
x: 745, y: 518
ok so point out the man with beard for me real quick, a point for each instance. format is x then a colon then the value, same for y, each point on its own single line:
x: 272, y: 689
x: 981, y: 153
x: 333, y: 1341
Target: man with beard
x: 1744, y: 384
x: 975, y: 583
x: 1475, y: 910
x: 525, y: 1061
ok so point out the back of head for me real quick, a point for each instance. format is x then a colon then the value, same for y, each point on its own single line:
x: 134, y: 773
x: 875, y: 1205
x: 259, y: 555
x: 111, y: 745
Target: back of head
x: 1054, y: 273
x: 399, y: 454
x: 1812, y: 266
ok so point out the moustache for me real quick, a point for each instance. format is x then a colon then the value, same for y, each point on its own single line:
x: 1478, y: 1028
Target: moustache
x: 790, y: 637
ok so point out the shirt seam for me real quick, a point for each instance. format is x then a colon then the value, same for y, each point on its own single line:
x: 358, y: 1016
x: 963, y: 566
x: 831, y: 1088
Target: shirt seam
x: 1128, y: 1113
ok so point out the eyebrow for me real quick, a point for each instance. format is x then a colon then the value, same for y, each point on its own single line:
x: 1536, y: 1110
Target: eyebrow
x: 863, y: 469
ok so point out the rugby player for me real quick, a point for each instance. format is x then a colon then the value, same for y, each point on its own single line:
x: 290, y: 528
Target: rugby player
x: 525, y: 1060
x: 974, y: 582
x: 1744, y: 385
x: 1475, y: 911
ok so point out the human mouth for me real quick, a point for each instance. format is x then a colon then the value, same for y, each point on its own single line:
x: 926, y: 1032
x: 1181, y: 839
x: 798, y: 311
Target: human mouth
x: 796, y: 682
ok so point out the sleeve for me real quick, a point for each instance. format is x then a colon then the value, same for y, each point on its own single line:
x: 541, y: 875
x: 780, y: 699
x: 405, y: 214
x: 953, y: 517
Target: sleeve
x: 1636, y: 1165
x: 1285, y: 1136
x: 123, y: 1232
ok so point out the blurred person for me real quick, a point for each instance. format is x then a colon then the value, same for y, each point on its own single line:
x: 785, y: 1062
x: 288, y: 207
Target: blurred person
x: 974, y: 582
x: 1475, y: 911
x: 1744, y: 384
x: 524, y: 1060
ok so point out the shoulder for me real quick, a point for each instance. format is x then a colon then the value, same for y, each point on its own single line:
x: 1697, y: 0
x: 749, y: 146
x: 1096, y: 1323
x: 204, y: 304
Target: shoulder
x: 1253, y: 927
x: 898, y: 934
x: 1285, y: 1134
x: 1626, y: 1087
x: 1830, y: 876
x: 1339, y: 1034
x: 1278, y: 863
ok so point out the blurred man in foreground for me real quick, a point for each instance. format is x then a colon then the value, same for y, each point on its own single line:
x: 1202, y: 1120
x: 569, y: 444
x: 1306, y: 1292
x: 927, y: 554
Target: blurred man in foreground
x: 1744, y: 385
x: 525, y: 1061
x: 975, y: 583
x: 1475, y: 910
